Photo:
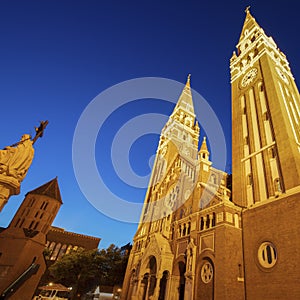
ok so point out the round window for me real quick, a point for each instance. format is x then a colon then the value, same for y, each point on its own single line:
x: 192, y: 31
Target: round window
x: 207, y: 272
x: 267, y: 255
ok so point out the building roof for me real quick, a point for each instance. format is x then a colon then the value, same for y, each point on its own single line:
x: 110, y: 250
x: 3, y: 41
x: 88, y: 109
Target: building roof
x: 50, y: 189
x: 54, y: 286
x: 62, y: 236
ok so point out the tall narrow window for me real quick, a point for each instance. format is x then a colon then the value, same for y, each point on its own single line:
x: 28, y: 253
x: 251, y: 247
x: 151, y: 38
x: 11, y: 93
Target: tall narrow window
x: 277, y: 185
x: 249, y: 179
x: 201, y: 224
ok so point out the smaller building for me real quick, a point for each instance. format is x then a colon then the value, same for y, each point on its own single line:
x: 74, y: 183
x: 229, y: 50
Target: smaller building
x: 60, y: 242
x: 22, y: 243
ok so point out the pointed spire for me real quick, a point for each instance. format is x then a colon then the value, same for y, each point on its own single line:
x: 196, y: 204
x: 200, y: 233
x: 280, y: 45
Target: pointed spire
x: 203, y: 152
x: 188, y: 81
x: 50, y: 189
x: 204, y: 146
x: 249, y: 23
x: 185, y: 100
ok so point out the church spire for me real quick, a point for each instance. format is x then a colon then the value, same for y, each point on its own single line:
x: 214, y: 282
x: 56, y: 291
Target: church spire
x: 249, y: 24
x: 185, y: 101
x: 182, y: 127
x: 203, y: 152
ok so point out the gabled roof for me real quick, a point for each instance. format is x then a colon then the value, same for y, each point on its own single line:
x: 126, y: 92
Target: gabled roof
x: 50, y: 189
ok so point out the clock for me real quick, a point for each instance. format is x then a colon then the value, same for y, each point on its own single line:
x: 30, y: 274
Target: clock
x: 249, y: 77
x: 282, y: 75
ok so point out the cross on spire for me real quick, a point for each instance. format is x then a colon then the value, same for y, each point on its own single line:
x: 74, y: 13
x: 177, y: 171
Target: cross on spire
x: 247, y: 10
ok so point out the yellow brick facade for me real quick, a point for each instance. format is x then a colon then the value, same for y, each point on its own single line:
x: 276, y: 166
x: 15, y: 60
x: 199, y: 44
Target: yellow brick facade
x: 197, y: 239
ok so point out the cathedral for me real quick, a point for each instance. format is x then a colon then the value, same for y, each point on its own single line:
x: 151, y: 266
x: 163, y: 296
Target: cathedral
x: 205, y: 234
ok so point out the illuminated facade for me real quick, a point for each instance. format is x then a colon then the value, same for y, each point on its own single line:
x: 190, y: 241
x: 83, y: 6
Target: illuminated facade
x: 197, y: 239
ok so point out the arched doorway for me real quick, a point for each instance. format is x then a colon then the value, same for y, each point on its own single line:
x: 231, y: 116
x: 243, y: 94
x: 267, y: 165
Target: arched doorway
x: 149, y: 279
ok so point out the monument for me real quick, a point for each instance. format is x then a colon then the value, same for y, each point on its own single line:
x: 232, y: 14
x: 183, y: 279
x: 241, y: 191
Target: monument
x: 15, y: 161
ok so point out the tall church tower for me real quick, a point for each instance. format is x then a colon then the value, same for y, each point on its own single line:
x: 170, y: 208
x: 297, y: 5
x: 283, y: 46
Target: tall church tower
x: 266, y: 163
x: 189, y: 235
x: 266, y: 118
x: 176, y: 160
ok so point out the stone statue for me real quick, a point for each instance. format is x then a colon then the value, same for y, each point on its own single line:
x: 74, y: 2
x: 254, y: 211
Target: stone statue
x: 15, y: 161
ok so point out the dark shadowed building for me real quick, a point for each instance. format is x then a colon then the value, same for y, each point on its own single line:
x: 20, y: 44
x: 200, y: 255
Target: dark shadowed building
x: 22, y: 243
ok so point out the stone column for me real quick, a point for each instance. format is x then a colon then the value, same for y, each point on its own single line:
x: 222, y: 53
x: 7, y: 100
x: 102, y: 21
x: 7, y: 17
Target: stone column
x: 210, y: 221
x: 148, y: 287
x: 204, y: 220
x: 8, y: 186
x: 156, y: 290
x: 136, y: 291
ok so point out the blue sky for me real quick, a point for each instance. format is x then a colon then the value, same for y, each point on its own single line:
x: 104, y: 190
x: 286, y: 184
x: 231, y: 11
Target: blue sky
x: 57, y: 56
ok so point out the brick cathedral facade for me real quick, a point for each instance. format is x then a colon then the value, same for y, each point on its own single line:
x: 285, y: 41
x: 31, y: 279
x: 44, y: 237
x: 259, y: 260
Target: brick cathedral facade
x: 201, y: 238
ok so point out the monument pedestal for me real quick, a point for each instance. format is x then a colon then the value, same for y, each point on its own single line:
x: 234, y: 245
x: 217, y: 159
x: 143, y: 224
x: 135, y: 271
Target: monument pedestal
x: 8, y: 186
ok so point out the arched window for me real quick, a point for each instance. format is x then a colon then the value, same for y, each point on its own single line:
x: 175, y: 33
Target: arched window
x: 184, y: 230
x: 181, y: 213
x: 201, y: 223
x: 213, y: 223
x: 62, y: 251
x: 277, y: 185
x: 249, y: 179
x: 69, y: 249
x: 55, y: 252
x: 207, y: 221
x: 52, y: 245
x: 213, y: 179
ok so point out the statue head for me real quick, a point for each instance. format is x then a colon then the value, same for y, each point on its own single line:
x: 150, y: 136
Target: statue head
x: 25, y: 137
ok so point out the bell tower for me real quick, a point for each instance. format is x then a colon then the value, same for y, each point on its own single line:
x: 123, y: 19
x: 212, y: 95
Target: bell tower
x: 174, y: 176
x: 266, y: 163
x: 265, y: 119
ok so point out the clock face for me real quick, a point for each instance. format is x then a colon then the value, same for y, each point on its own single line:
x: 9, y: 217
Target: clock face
x: 282, y: 75
x: 249, y: 77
